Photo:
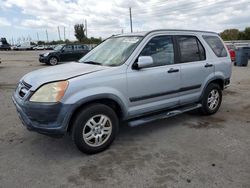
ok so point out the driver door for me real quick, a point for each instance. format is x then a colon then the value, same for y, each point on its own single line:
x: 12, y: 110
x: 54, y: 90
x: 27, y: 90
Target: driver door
x: 67, y: 53
x: 155, y: 87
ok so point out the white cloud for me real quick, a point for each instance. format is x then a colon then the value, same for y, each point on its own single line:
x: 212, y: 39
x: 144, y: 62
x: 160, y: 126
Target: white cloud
x: 111, y: 16
x: 4, y: 22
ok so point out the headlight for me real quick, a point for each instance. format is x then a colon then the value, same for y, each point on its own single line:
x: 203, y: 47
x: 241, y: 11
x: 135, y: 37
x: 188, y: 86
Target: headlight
x: 52, y: 92
x: 46, y: 54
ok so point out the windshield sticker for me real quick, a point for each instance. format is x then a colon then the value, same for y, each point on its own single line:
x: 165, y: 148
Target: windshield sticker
x: 130, y: 40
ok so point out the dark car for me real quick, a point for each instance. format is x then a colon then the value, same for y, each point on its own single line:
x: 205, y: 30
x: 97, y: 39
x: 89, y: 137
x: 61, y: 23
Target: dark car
x: 64, y: 52
x: 4, y: 45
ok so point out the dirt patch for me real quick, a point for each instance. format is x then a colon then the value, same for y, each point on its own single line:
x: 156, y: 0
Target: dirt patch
x: 208, y: 122
x: 246, y: 107
x: 7, y: 86
x: 230, y: 92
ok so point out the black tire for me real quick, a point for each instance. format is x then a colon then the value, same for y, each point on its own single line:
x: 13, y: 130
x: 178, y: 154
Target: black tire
x: 80, y: 125
x: 53, y: 60
x: 206, y: 108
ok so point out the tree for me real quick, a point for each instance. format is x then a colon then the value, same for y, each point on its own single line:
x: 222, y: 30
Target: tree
x: 80, y: 32
x: 247, y: 33
x: 241, y: 35
x: 230, y: 34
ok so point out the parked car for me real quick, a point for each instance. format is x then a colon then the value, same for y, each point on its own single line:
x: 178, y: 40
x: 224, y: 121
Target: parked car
x: 4, y: 45
x: 49, y: 47
x: 137, y: 78
x: 39, y: 47
x: 231, y: 49
x: 64, y: 52
x: 23, y: 46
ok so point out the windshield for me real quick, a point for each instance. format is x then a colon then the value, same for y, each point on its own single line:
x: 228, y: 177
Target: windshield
x: 58, y: 47
x: 112, y: 52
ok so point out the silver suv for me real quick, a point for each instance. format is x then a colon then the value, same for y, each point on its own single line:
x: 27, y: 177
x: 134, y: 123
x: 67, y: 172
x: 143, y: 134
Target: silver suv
x: 137, y: 78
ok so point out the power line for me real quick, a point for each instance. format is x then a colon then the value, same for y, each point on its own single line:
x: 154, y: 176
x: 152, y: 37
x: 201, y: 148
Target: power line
x: 160, y: 15
x: 184, y: 8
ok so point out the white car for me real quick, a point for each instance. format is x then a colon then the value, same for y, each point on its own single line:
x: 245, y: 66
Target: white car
x: 39, y: 47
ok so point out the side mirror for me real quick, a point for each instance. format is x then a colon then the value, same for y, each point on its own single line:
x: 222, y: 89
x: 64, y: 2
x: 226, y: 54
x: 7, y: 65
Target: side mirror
x: 144, y: 61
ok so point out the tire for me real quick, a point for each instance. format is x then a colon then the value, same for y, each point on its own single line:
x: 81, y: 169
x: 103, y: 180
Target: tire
x: 88, y: 122
x: 53, y: 60
x: 211, y: 100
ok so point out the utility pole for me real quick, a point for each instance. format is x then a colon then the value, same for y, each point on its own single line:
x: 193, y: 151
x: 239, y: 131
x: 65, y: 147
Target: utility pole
x: 37, y: 36
x: 86, y: 28
x: 131, y: 24
x: 58, y: 29
x: 47, y: 36
x: 64, y: 33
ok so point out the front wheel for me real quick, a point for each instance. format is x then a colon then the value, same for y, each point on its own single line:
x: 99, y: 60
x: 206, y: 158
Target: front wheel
x: 53, y: 61
x: 211, y: 100
x: 95, y: 128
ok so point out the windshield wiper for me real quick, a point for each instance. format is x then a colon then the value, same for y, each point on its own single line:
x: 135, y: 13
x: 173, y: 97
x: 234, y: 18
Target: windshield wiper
x: 92, y: 62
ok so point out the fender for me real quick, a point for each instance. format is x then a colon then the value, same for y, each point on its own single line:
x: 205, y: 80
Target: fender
x: 218, y: 77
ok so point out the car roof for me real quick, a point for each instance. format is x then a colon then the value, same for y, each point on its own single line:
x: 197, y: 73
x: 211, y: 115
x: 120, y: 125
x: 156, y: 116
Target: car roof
x: 144, y: 33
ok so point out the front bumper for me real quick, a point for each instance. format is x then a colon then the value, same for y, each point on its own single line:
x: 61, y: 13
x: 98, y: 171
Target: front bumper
x: 43, y: 59
x: 50, y: 119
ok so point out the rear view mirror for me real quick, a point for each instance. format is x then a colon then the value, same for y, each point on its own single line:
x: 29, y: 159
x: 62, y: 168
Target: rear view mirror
x: 144, y: 61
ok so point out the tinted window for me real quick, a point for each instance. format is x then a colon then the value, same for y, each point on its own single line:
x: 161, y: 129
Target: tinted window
x: 81, y: 47
x: 216, y: 45
x: 69, y: 48
x: 190, y: 49
x: 202, y: 52
x: 160, y: 49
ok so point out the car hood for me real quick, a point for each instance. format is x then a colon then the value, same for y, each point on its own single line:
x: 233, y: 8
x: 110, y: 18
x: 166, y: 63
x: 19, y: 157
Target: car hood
x: 59, y: 72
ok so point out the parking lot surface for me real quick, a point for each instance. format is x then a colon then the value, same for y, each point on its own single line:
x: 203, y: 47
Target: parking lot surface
x: 188, y: 150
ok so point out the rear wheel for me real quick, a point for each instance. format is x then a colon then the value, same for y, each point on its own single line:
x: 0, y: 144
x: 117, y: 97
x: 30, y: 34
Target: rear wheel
x: 53, y: 60
x: 95, y: 128
x: 211, y: 100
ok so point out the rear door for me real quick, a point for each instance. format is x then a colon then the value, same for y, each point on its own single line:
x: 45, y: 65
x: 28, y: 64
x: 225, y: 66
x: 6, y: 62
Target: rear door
x: 195, y: 67
x: 155, y: 87
x: 80, y: 51
x: 67, y: 53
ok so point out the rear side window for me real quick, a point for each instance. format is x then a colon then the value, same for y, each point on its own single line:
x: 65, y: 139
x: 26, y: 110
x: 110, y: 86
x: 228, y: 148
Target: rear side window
x: 69, y: 48
x: 161, y: 49
x: 81, y: 47
x: 216, y: 45
x: 190, y: 49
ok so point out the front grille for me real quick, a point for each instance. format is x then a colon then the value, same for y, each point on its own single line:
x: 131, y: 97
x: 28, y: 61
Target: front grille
x: 23, y: 88
x: 26, y: 84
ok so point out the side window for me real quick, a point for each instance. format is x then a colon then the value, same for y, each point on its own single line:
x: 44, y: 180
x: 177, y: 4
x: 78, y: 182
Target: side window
x: 190, y: 49
x: 202, y: 52
x: 216, y: 45
x: 161, y: 49
x: 79, y: 47
x: 69, y: 48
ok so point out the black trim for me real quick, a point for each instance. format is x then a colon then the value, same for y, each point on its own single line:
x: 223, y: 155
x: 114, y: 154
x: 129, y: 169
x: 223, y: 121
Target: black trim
x: 134, y: 99
x: 135, y: 65
x: 179, y: 49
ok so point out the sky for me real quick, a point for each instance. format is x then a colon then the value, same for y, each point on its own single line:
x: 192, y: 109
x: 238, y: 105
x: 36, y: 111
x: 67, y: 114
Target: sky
x: 29, y: 19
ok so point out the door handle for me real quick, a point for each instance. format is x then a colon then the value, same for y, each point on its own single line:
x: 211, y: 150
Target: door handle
x: 172, y: 70
x: 208, y: 65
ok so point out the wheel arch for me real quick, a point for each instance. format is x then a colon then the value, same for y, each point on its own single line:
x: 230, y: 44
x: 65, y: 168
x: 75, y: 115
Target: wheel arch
x: 112, y: 101
x: 217, y: 80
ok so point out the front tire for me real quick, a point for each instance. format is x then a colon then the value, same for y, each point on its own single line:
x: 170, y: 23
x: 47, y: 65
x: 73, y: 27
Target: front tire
x: 53, y: 61
x: 211, y: 100
x: 95, y: 128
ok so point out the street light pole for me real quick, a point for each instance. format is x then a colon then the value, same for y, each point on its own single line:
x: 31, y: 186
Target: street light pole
x: 131, y: 24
